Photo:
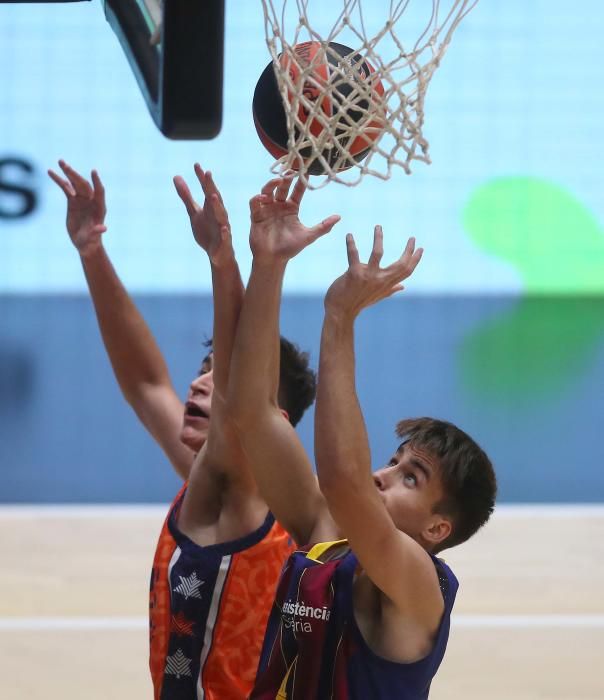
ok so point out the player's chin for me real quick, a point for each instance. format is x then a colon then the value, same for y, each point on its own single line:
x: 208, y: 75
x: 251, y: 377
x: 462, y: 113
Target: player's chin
x: 194, y: 436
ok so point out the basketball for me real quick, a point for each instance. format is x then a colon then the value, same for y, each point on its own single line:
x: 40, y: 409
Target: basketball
x: 329, y: 97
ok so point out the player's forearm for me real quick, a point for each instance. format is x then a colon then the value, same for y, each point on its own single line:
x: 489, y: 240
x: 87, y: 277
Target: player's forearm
x: 228, y: 293
x: 341, y: 444
x: 254, y: 374
x: 131, y: 347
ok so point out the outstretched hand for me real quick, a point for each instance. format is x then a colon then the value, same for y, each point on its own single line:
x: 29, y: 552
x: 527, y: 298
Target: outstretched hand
x: 276, y: 231
x: 210, y: 222
x: 85, y: 208
x: 365, y: 284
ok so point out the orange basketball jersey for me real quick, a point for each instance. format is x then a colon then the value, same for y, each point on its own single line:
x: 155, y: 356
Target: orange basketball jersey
x: 208, y: 610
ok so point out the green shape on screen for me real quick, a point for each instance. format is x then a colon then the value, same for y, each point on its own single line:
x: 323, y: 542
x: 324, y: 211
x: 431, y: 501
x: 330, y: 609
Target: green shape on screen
x: 549, y: 236
x: 532, y: 351
x: 547, y: 339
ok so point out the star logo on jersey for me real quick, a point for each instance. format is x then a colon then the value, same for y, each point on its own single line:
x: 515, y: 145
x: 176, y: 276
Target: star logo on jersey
x: 182, y: 626
x: 189, y: 586
x: 178, y: 665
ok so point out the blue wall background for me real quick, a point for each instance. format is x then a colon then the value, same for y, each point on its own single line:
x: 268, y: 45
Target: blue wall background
x: 66, y: 435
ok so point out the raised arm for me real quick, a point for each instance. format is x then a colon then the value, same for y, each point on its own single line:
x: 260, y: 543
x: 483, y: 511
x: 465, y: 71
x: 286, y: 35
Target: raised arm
x: 137, y: 362
x: 395, y: 563
x: 212, y: 232
x: 280, y: 465
x: 222, y: 457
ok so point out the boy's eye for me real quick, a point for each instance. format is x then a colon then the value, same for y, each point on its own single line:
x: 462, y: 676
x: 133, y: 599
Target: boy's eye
x: 206, y: 366
x: 411, y: 479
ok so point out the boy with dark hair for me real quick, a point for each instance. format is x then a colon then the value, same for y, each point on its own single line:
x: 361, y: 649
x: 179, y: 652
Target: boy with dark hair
x: 297, y: 385
x: 469, y: 484
x: 368, y: 616
x: 220, y: 551
x: 297, y: 380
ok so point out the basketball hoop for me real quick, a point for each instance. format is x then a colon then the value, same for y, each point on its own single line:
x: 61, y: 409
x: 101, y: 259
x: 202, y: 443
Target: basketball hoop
x: 401, y: 62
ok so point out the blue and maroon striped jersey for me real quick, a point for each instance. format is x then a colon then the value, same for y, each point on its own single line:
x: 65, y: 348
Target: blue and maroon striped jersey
x: 313, y: 648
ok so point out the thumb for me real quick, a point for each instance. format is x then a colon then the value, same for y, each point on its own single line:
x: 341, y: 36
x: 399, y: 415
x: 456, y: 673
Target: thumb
x: 325, y: 226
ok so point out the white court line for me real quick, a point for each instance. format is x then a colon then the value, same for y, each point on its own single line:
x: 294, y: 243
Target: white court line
x: 135, y: 510
x: 549, y: 510
x: 83, y: 510
x: 529, y: 621
x: 457, y: 621
x: 73, y: 623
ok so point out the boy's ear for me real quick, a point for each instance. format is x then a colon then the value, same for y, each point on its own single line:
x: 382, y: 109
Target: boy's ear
x: 438, y: 530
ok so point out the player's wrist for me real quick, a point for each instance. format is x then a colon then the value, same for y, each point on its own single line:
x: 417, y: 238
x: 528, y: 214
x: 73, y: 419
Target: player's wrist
x: 269, y: 261
x: 224, y: 261
x: 91, y: 252
x: 340, y: 316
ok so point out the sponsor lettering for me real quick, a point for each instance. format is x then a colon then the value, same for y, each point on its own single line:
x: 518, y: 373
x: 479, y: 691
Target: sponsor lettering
x: 297, y: 616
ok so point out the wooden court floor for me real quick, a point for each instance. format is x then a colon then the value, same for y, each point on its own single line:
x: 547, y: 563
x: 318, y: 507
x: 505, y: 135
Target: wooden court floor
x: 528, y: 624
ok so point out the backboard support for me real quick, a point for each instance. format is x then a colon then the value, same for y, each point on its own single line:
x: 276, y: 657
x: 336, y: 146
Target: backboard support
x: 178, y: 63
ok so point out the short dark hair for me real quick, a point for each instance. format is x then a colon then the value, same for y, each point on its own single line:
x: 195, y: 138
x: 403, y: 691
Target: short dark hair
x: 297, y: 381
x: 467, y: 475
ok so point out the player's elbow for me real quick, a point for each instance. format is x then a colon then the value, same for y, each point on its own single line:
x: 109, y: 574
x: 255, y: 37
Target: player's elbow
x: 331, y: 484
x: 136, y: 398
x: 246, y: 413
x: 241, y: 414
x: 337, y: 481
x: 142, y: 397
x: 332, y: 465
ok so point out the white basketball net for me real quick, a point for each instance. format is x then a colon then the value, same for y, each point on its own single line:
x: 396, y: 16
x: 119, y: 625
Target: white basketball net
x: 404, y: 67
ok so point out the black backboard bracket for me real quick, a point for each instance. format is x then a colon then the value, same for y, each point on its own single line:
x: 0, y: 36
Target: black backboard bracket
x: 181, y: 76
